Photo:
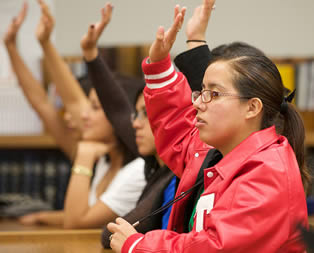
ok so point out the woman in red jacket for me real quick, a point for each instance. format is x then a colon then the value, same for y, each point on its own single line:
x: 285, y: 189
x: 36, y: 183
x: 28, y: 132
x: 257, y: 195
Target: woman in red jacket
x: 252, y: 198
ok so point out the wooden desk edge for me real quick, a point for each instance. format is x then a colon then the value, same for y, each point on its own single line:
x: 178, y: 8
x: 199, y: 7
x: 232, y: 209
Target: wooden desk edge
x: 53, y: 232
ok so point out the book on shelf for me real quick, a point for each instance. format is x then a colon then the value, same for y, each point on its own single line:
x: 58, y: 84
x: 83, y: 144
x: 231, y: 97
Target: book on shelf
x: 28, y: 172
x: 305, y: 85
x: 62, y: 180
x: 37, y: 180
x: 311, y: 89
x: 287, y: 72
x: 15, y: 176
x: 4, y: 173
x: 303, y: 80
x: 39, y: 174
x: 50, y: 181
x: 299, y: 75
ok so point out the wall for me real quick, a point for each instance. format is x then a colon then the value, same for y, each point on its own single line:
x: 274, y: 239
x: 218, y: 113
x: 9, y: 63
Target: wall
x: 278, y: 27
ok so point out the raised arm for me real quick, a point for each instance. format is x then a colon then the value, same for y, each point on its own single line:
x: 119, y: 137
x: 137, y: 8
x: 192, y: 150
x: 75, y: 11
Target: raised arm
x: 90, y: 39
x: 34, y: 91
x: 168, y: 101
x: 198, y: 52
x: 162, y: 45
x: 114, y: 101
x: 197, y: 25
x: 68, y: 87
x: 159, y: 68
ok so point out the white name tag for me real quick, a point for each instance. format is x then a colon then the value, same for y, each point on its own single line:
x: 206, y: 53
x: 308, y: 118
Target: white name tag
x: 205, y: 203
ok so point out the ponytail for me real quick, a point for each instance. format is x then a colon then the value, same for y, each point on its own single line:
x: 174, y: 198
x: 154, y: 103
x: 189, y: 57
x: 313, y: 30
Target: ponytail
x: 293, y: 130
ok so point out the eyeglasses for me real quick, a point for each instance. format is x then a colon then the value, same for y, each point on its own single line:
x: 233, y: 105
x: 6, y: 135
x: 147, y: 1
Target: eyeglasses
x: 208, y: 95
x: 141, y: 114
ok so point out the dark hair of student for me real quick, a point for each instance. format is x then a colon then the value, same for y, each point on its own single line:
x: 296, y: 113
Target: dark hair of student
x: 131, y: 85
x: 151, y: 163
x: 307, y: 237
x: 257, y: 76
x: 87, y: 86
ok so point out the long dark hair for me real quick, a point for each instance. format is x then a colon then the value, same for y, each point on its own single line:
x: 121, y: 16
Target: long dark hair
x: 151, y: 163
x: 257, y: 76
x: 131, y: 86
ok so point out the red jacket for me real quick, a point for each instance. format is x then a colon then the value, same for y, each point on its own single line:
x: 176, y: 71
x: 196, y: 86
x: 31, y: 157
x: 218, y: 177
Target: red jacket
x: 253, y: 198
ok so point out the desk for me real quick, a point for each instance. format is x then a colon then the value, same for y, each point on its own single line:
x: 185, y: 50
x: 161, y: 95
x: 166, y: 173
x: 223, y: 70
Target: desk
x: 13, y: 225
x: 48, y: 239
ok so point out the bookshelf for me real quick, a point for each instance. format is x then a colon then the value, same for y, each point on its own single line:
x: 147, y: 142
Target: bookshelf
x: 28, y: 142
x: 298, y: 72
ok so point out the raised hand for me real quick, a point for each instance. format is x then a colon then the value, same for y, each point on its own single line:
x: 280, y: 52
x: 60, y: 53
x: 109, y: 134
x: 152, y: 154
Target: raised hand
x: 89, y: 40
x: 10, y: 36
x: 197, y: 24
x: 46, y: 23
x: 164, y: 40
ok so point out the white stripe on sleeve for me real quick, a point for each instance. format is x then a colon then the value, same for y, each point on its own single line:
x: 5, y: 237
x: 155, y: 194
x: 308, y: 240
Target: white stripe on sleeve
x: 161, y: 75
x: 134, y: 244
x: 163, y: 84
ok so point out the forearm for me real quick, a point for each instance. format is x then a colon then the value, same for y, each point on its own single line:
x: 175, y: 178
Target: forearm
x: 68, y: 87
x: 90, y: 54
x: 51, y: 217
x: 76, y: 202
x: 170, y: 112
x: 32, y: 89
x: 37, y: 97
x: 114, y: 101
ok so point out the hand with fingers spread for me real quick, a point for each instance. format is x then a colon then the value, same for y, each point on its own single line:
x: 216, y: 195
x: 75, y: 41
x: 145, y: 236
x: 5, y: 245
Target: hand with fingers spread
x: 10, y: 36
x: 89, y: 40
x: 197, y: 24
x: 46, y: 23
x: 164, y: 40
x: 121, y: 230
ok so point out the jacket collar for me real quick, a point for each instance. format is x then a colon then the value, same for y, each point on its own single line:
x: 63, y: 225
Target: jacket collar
x: 256, y: 141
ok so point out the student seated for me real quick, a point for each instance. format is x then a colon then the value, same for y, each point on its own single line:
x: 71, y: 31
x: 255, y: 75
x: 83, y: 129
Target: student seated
x: 161, y: 181
x: 90, y: 201
x: 251, y: 197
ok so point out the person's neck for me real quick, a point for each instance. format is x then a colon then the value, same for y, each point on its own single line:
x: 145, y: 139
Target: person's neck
x: 225, y: 149
x: 116, y: 158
